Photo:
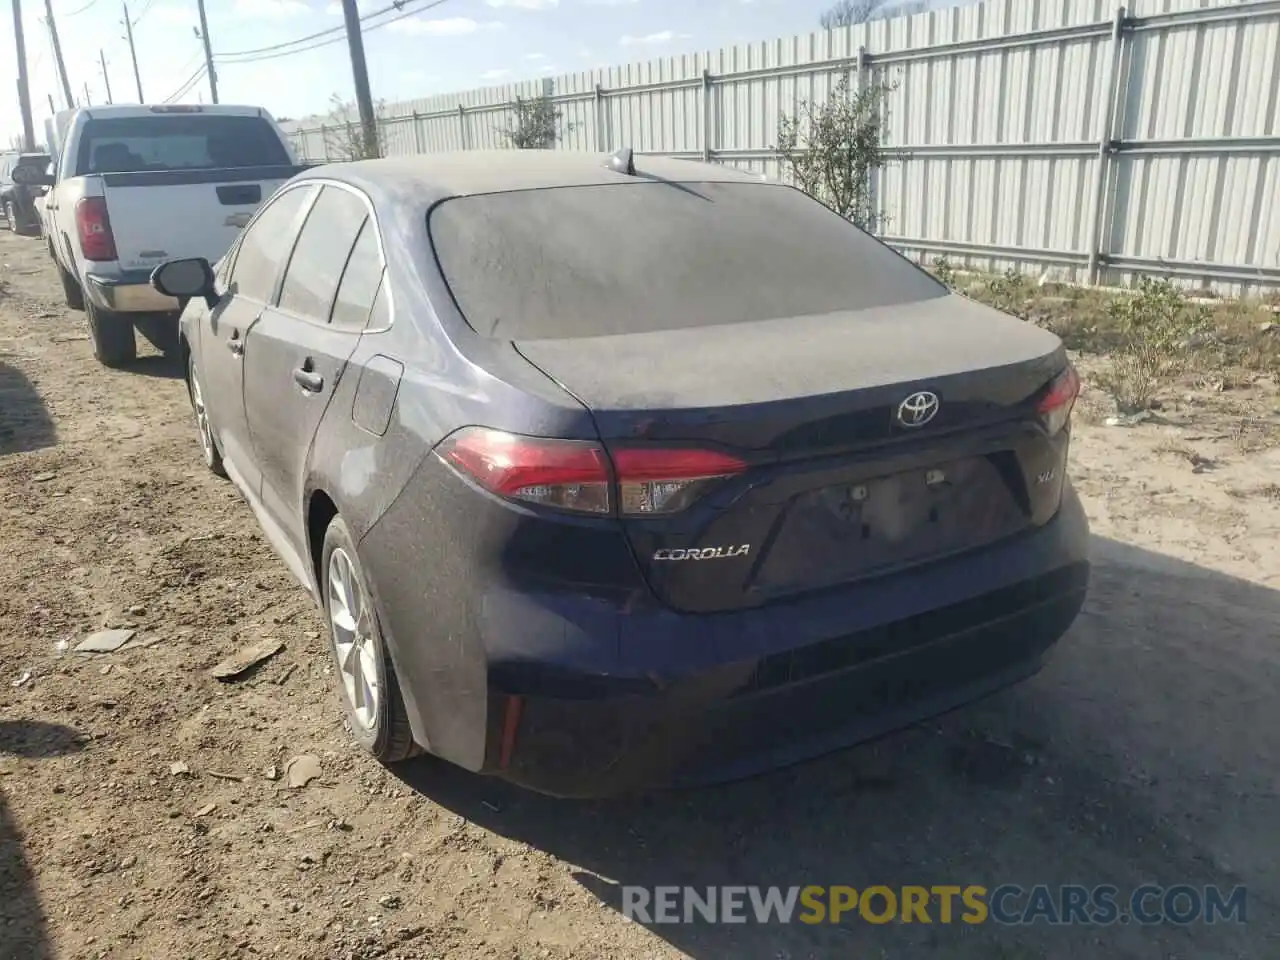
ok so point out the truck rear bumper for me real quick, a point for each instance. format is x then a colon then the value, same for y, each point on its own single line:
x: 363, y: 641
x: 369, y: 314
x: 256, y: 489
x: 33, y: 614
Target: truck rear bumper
x: 129, y: 292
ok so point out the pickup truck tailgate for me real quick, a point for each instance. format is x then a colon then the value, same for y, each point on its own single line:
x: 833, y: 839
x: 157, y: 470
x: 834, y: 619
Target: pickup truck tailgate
x: 165, y: 215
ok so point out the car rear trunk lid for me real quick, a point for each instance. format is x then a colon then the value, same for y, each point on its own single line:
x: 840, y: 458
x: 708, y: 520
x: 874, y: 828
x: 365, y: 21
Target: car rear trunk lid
x: 836, y: 487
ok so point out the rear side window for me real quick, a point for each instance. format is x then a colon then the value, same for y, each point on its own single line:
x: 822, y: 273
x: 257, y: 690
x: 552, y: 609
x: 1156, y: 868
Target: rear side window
x: 188, y: 141
x: 266, y: 244
x: 647, y: 256
x: 360, y: 281
x: 323, y: 248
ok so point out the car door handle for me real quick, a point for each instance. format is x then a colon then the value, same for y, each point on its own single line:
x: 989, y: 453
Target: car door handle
x: 235, y: 344
x: 308, y: 380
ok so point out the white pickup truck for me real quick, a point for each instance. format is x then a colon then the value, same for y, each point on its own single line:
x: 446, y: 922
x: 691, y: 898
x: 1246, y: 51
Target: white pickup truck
x: 135, y: 185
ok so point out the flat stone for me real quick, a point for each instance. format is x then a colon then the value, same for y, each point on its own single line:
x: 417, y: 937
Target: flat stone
x: 105, y: 641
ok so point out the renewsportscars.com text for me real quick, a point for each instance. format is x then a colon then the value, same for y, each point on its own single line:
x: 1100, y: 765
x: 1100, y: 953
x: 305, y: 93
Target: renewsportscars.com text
x: 1006, y: 904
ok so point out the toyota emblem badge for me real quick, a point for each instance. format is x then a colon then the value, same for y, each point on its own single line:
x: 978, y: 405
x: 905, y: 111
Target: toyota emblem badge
x: 918, y: 409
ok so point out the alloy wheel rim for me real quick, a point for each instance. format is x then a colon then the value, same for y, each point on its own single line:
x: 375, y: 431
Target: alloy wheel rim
x: 354, y: 646
x: 202, y: 418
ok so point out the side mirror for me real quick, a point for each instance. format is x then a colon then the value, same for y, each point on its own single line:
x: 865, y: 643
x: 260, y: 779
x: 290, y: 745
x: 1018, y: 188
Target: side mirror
x: 185, y: 279
x: 30, y: 175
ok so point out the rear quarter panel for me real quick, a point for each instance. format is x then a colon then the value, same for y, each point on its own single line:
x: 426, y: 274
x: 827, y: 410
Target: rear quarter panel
x: 67, y: 193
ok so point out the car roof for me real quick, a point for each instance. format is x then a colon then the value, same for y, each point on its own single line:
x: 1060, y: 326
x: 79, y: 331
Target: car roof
x: 437, y: 176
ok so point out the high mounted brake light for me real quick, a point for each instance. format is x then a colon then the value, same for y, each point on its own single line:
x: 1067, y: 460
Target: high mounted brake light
x: 177, y: 108
x: 1056, y: 404
x: 578, y: 475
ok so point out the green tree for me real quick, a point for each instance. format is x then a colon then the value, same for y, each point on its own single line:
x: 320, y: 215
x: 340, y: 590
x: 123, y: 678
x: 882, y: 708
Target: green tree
x: 344, y: 135
x: 535, y: 126
x: 832, y: 148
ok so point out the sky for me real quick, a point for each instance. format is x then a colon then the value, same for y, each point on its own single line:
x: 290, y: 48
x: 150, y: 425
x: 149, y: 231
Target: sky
x: 454, y: 45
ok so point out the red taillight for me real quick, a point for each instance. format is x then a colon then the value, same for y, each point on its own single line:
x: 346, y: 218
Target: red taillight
x: 664, y: 481
x: 575, y: 474
x: 1055, y: 406
x: 94, y: 227
x: 568, y: 474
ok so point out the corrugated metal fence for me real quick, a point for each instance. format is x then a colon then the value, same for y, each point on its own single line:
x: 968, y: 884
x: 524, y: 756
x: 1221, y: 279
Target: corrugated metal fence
x: 1072, y: 136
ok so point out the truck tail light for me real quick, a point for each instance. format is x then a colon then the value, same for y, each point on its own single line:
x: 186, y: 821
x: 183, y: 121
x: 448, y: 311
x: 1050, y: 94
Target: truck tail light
x: 94, y: 227
x: 577, y: 475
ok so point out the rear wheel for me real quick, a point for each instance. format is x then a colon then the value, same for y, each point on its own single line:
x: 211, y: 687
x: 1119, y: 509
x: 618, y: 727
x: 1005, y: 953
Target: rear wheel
x: 114, y: 344
x: 70, y: 288
x: 366, y: 679
x: 212, y: 455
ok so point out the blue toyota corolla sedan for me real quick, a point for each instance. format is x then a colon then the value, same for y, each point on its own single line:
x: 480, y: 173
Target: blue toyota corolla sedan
x: 612, y: 472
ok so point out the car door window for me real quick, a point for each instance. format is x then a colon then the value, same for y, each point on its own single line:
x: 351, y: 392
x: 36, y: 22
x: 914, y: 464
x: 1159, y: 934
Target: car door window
x: 324, y: 246
x: 266, y: 244
x: 361, y: 279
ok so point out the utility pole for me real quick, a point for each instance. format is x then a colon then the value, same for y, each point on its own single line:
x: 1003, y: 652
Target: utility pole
x: 106, y: 77
x: 57, y: 53
x: 208, y: 53
x: 360, y: 72
x: 24, y: 91
x: 133, y: 53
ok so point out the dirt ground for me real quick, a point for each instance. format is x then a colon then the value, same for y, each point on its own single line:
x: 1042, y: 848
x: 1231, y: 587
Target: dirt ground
x: 1148, y: 751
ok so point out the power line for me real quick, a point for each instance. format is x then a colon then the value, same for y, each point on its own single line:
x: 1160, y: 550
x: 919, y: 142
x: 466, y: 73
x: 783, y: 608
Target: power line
x: 90, y: 4
x: 263, y: 55
x: 188, y: 86
x: 146, y: 8
x: 395, y: 6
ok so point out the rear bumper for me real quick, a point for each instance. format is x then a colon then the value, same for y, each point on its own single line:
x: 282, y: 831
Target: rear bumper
x: 129, y: 292
x: 739, y: 720
x: 578, y: 694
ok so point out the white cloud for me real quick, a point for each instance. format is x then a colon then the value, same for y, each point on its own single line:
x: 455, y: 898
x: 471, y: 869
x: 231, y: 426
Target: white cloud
x: 494, y: 74
x: 270, y: 9
x: 549, y: 68
x: 447, y: 27
x: 662, y: 36
x: 524, y: 4
x: 610, y: 3
x: 535, y: 56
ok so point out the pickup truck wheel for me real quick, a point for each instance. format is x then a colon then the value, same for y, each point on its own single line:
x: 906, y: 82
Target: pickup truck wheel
x: 71, y: 289
x: 114, y: 344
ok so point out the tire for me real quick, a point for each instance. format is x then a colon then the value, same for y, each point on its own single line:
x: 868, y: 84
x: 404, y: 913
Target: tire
x: 114, y: 344
x: 208, y: 443
x: 160, y: 330
x: 384, y: 731
x: 70, y: 288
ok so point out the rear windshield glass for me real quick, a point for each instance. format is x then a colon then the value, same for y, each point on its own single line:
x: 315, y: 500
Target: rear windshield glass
x: 634, y: 258
x: 178, y: 142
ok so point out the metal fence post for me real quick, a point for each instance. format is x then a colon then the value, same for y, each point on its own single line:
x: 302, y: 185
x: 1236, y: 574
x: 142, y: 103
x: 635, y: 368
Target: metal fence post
x: 860, y: 85
x: 324, y: 140
x: 1106, y: 146
x: 418, y: 146
x: 602, y: 138
x: 706, y: 115
x: 462, y: 127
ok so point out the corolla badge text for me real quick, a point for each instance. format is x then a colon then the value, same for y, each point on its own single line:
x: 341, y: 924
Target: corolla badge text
x: 703, y: 553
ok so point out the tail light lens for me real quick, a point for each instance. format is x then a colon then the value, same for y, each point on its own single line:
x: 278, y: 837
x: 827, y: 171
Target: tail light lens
x: 94, y: 227
x: 1055, y: 406
x: 568, y: 474
x: 576, y: 475
x: 666, y: 481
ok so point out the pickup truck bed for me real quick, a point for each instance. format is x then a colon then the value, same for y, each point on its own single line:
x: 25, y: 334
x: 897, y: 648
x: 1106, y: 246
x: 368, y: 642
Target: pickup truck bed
x: 138, y: 185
